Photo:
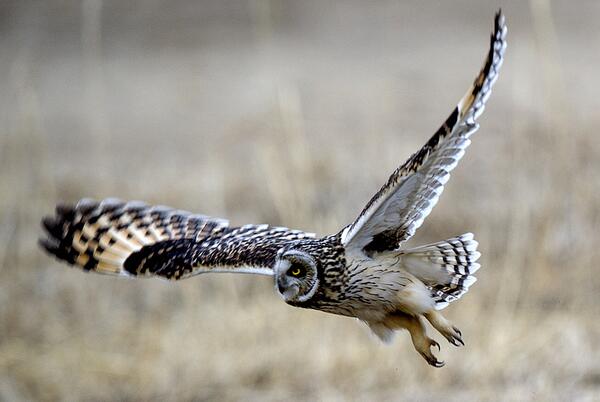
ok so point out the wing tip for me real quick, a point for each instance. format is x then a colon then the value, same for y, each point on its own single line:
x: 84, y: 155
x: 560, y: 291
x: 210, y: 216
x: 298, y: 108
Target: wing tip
x: 499, y: 19
x: 464, y: 115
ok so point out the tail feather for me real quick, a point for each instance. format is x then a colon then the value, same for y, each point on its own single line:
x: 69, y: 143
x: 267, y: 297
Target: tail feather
x: 446, y: 267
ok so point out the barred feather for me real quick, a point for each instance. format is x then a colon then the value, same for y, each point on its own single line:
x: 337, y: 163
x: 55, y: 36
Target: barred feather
x: 361, y: 271
x: 119, y: 238
x: 446, y: 267
x: 406, y: 199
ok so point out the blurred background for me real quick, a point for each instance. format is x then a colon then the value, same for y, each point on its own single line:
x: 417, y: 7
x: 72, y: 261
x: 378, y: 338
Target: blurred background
x: 295, y: 113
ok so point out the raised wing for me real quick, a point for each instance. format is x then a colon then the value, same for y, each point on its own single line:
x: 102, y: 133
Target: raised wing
x: 400, y: 206
x: 134, y: 239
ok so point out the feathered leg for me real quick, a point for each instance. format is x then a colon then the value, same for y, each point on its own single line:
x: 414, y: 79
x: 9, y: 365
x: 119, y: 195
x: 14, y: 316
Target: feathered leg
x: 418, y: 334
x: 445, y: 327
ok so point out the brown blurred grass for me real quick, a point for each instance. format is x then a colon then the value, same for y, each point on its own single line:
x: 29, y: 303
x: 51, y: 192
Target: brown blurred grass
x: 295, y: 114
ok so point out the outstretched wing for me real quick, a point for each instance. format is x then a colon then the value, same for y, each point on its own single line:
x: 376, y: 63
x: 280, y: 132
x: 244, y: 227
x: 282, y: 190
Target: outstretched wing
x: 400, y: 206
x: 134, y: 239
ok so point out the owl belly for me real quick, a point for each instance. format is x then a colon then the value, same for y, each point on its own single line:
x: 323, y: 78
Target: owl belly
x: 380, y: 286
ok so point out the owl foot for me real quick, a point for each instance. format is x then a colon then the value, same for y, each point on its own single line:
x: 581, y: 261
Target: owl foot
x: 418, y: 335
x: 445, y: 327
x: 424, y: 349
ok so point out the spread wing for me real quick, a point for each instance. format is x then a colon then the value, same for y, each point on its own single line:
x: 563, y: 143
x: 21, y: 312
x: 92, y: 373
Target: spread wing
x: 400, y: 206
x: 134, y: 239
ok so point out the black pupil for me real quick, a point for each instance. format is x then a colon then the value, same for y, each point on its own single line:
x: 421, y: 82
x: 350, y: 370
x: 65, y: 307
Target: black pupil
x: 296, y: 270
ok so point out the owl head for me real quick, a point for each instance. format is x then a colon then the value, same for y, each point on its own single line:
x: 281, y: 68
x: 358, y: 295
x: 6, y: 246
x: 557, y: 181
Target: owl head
x: 295, y: 275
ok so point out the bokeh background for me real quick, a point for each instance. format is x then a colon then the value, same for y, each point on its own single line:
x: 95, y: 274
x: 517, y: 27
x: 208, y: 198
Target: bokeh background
x: 294, y: 113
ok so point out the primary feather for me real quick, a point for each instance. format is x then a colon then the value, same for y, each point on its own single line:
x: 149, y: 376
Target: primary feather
x: 360, y: 271
x: 401, y: 205
x: 119, y: 238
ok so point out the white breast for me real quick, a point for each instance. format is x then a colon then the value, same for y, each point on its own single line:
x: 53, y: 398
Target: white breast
x: 379, y: 286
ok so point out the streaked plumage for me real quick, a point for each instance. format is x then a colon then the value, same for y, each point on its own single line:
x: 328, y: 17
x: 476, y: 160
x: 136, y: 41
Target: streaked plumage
x: 363, y: 271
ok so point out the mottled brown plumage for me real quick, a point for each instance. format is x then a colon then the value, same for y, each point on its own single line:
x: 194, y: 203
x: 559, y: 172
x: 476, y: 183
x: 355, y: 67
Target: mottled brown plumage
x: 363, y: 271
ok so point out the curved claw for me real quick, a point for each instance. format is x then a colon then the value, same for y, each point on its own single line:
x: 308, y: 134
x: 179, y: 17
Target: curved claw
x: 457, y: 331
x: 450, y: 332
x: 429, y: 356
x: 438, y: 364
x: 456, y: 337
x: 433, y: 361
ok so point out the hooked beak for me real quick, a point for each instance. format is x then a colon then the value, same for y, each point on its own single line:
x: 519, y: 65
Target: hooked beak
x: 286, y: 290
x: 291, y: 292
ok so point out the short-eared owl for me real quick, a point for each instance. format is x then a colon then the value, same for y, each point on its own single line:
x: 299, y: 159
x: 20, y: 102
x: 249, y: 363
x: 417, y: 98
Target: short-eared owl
x: 362, y: 271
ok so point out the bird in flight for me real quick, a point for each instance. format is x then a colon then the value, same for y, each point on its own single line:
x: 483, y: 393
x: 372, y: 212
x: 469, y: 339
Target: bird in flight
x: 362, y: 271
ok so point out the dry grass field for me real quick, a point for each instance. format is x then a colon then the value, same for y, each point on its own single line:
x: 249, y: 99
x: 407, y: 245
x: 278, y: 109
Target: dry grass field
x: 294, y: 113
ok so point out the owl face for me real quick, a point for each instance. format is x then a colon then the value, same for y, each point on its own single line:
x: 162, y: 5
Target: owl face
x: 296, y: 276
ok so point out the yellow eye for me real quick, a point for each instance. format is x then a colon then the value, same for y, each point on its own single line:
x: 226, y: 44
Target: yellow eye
x: 296, y: 271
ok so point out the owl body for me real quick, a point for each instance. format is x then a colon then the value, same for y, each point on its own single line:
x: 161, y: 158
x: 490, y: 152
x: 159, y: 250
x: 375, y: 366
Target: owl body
x: 362, y: 287
x: 363, y: 271
x: 371, y: 288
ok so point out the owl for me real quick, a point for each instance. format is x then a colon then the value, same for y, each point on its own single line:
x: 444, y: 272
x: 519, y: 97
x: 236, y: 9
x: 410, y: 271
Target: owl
x: 363, y: 271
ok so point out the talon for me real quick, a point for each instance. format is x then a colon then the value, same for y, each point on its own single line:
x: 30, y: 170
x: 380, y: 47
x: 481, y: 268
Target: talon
x: 435, y: 362
x: 429, y: 356
x: 456, y: 341
x: 457, y: 337
x: 422, y: 343
x: 450, y: 332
